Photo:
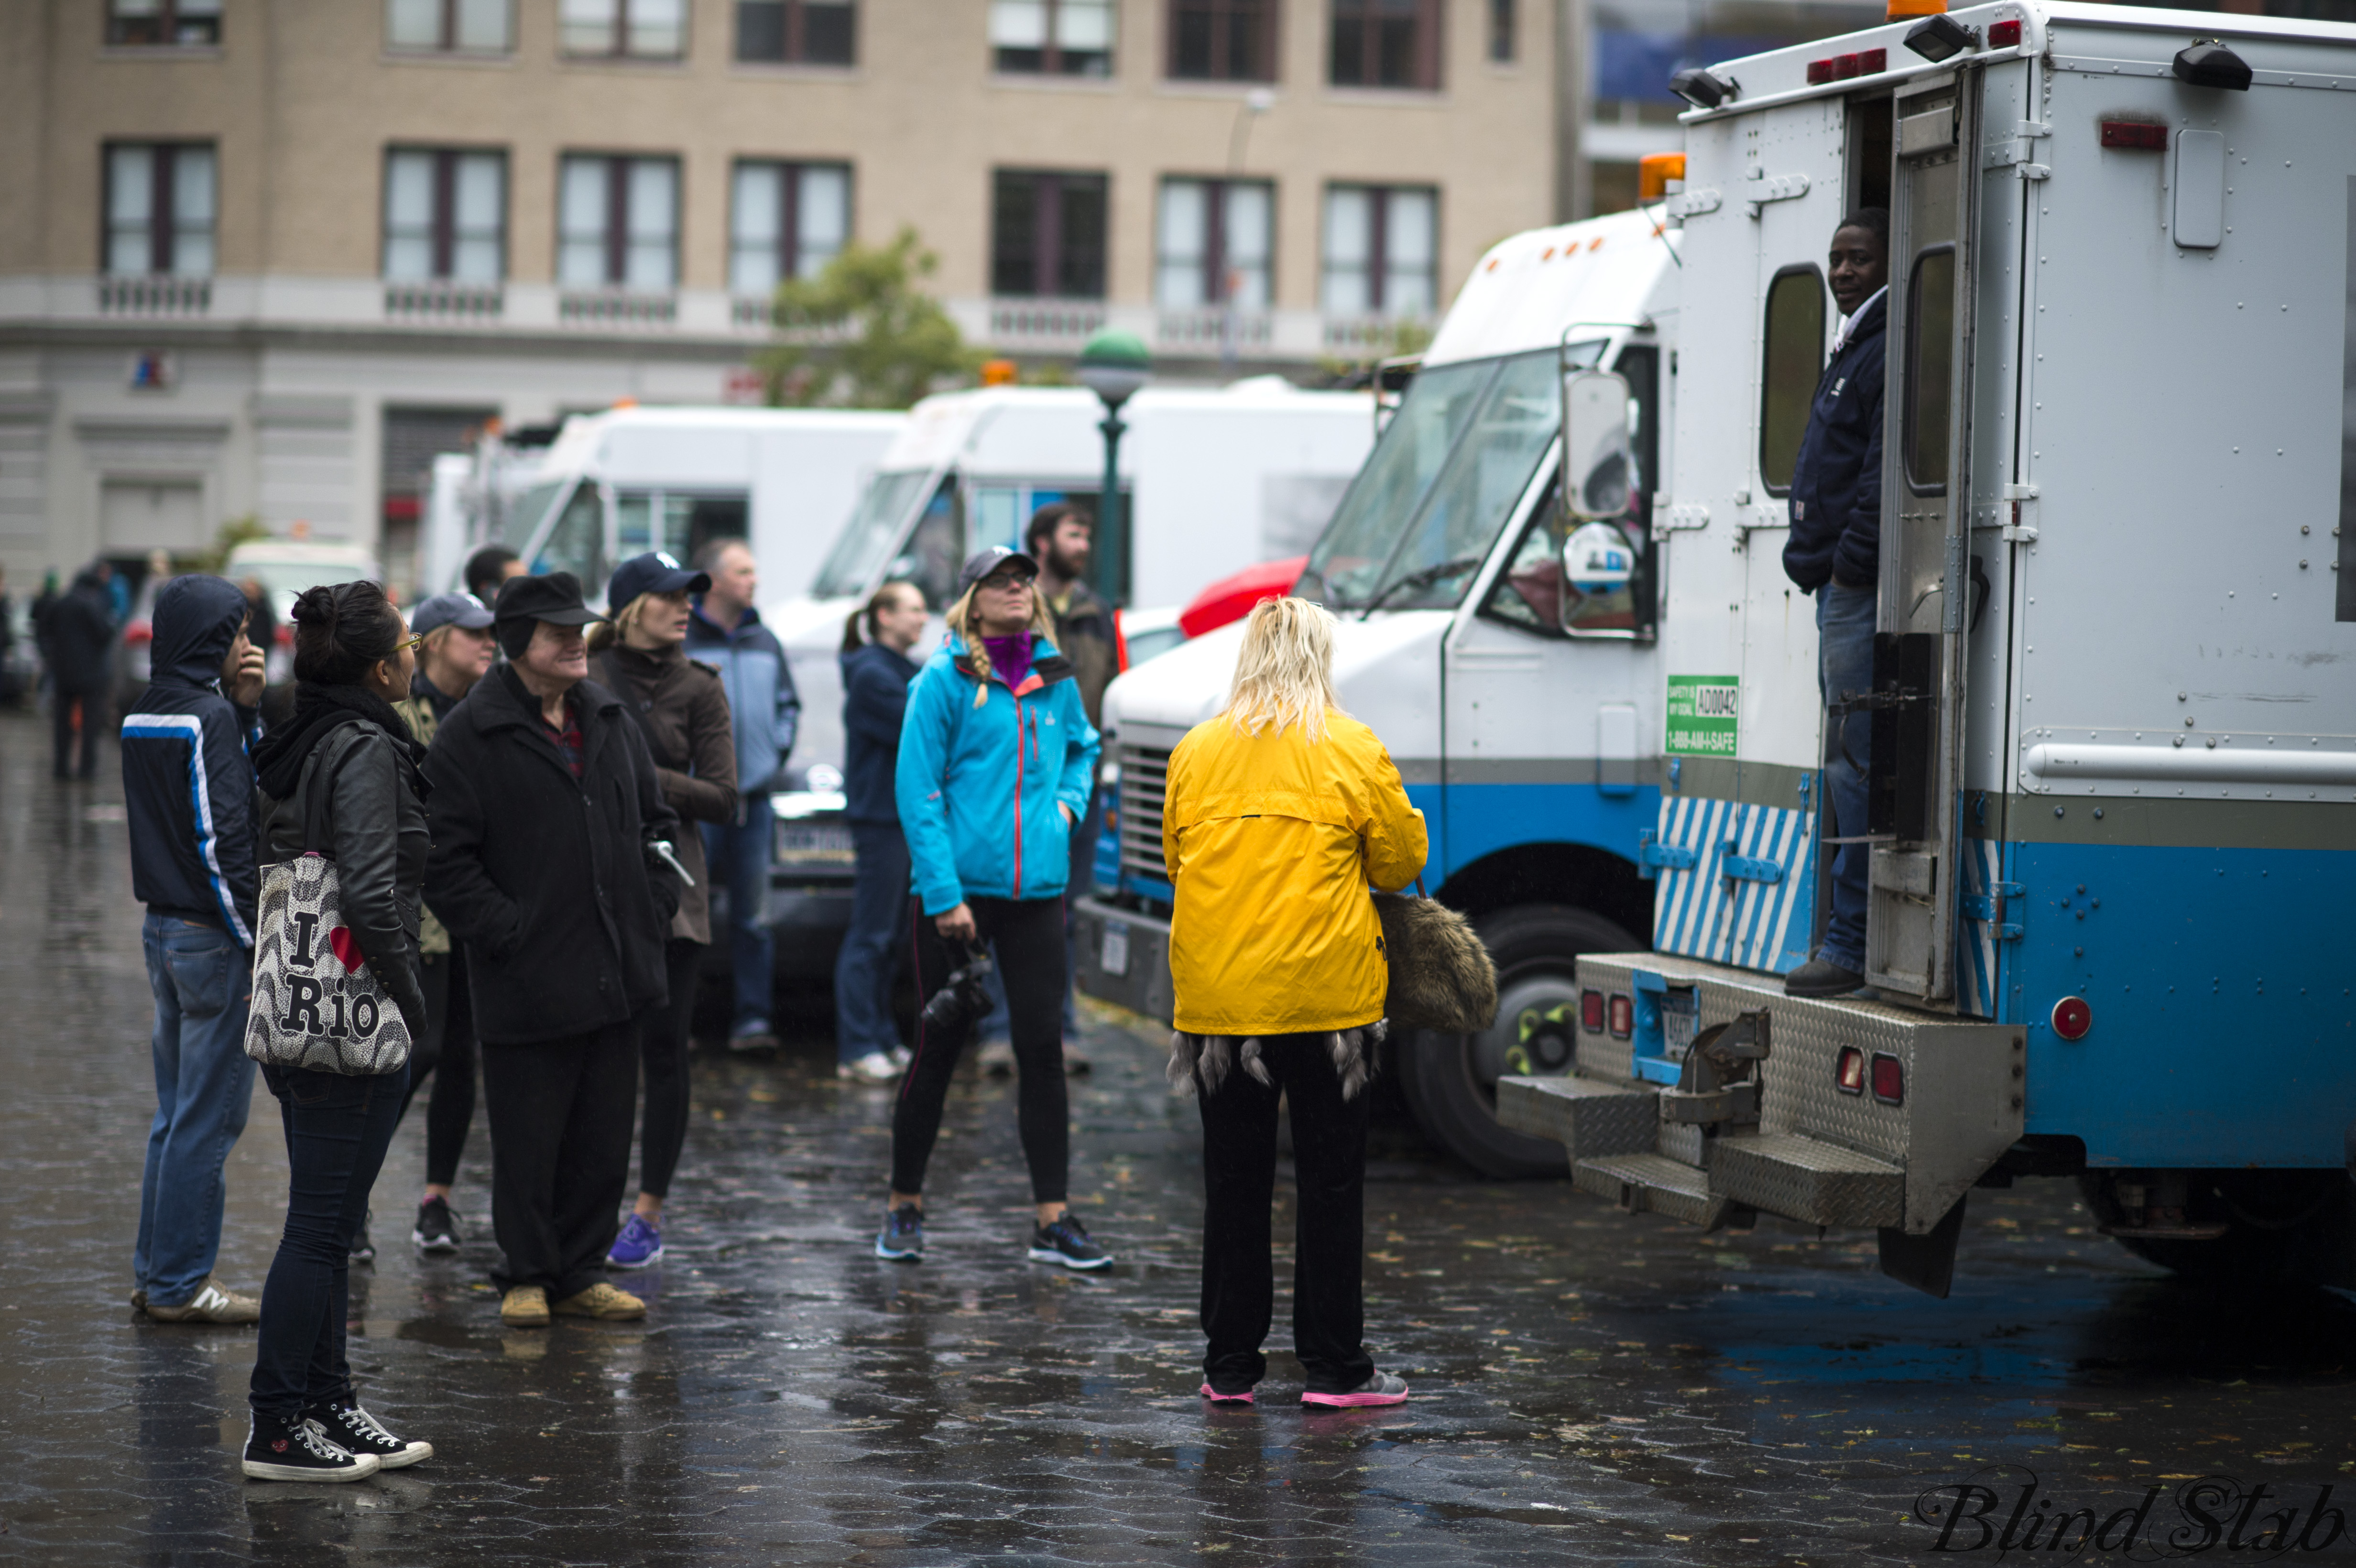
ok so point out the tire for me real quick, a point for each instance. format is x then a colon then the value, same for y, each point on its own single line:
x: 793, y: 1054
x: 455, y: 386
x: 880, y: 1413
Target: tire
x: 2287, y: 1227
x: 1449, y: 1080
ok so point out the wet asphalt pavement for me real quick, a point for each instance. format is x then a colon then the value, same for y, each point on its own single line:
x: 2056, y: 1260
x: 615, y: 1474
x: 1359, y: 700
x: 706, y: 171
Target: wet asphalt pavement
x: 1588, y: 1386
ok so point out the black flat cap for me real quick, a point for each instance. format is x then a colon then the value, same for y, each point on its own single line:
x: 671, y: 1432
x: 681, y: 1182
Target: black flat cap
x: 556, y: 599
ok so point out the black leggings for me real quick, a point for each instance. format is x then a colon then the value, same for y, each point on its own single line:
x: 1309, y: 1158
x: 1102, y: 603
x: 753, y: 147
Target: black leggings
x: 1029, y: 936
x: 447, y: 1052
x: 663, y: 1046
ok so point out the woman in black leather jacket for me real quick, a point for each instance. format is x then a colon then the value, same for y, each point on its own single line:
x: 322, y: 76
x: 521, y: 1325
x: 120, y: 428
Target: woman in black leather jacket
x: 352, y: 656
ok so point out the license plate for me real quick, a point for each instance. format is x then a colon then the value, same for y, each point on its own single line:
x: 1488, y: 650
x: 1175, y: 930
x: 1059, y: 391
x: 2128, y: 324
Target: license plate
x: 815, y: 847
x: 1113, y: 959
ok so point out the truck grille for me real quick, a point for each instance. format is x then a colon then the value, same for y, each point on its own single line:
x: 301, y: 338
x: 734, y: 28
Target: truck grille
x: 1145, y: 779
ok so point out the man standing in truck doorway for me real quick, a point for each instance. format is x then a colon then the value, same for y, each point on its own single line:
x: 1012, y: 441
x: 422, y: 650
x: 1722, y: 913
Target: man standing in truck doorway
x: 1834, y: 551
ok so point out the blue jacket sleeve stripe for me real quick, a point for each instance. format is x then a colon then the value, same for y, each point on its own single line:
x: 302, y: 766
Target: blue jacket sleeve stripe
x: 189, y: 726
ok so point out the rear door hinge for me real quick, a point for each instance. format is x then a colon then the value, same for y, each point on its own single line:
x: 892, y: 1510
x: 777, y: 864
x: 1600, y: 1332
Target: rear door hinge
x: 1654, y: 856
x: 1763, y: 188
x: 1747, y: 867
x: 2023, y: 529
x: 1989, y: 909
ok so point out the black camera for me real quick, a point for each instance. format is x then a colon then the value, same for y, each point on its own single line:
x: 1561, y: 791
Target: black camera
x: 964, y: 996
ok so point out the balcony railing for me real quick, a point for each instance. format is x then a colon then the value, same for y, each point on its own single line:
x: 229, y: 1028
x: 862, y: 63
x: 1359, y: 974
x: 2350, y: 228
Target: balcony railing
x: 1203, y: 329
x: 1365, y: 334
x: 444, y: 303
x: 154, y: 294
x: 616, y: 307
x: 1044, y: 323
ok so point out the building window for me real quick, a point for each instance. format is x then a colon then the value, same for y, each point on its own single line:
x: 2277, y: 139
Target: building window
x: 1052, y: 38
x: 1214, y: 243
x: 786, y: 220
x: 450, y: 27
x: 445, y: 216
x: 1380, y: 245
x: 168, y: 23
x: 796, y: 32
x: 1386, y: 43
x: 617, y: 223
x: 1047, y: 234
x: 160, y: 209
x: 635, y: 29
x: 1223, y: 40
x: 1504, y: 31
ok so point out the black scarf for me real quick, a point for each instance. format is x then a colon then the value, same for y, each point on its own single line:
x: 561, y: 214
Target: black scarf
x: 317, y: 709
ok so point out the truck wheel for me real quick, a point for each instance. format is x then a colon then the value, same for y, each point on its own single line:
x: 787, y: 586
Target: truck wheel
x: 2287, y: 1227
x: 1451, y: 1080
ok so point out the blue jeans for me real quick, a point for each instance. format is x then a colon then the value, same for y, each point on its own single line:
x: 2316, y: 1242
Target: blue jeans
x: 204, y: 1081
x: 337, y: 1129
x: 865, y: 970
x: 739, y: 859
x: 1844, y: 652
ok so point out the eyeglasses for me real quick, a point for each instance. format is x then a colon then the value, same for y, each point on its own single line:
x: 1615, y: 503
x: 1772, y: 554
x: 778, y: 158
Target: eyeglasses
x: 414, y: 642
x: 1006, y: 582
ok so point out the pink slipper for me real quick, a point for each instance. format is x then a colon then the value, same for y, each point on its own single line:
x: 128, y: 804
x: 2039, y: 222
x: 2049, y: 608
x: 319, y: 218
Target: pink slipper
x: 1383, y: 1388
x: 1215, y: 1397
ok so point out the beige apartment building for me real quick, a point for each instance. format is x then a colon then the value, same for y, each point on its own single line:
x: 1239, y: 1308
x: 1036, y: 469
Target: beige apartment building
x: 265, y: 256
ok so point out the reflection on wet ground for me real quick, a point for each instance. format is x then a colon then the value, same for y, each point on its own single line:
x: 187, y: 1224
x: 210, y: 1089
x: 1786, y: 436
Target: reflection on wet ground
x: 1588, y: 1386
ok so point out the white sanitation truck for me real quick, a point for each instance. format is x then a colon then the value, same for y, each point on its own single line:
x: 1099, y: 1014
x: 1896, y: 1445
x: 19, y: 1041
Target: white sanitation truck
x: 1502, y: 648
x: 2113, y: 786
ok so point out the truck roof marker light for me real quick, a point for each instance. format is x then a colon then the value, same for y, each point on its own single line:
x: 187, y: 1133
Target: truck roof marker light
x: 2206, y: 62
x: 2136, y: 135
x: 1654, y: 173
x: 1848, y: 1070
x: 1624, y: 1015
x: 1704, y: 88
x: 1595, y: 244
x: 2072, y: 1018
x: 1590, y: 1012
x: 1819, y: 72
x: 1873, y: 62
x: 1889, y: 1079
x: 1899, y: 10
x: 2003, y: 35
x: 1940, y: 38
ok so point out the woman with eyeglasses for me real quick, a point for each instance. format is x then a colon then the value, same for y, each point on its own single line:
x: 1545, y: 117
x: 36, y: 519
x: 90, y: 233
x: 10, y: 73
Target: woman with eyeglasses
x: 996, y: 759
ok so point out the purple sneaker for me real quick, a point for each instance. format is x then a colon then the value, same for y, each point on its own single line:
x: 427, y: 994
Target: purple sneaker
x: 639, y: 1244
x: 1383, y: 1388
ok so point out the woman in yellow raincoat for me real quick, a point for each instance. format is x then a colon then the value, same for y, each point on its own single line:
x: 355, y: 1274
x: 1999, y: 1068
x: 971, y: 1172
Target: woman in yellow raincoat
x: 1281, y: 812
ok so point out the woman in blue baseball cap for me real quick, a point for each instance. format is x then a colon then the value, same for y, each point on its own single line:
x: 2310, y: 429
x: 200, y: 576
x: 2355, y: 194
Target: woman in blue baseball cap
x: 640, y: 656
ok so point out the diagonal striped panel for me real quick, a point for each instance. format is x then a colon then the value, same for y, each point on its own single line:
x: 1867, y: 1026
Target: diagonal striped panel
x: 1701, y: 912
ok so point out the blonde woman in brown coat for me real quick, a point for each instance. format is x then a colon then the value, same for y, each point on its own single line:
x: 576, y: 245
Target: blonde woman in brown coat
x: 640, y: 656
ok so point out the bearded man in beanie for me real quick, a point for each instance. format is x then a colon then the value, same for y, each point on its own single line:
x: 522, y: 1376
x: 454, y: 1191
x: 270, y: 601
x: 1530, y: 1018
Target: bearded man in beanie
x: 546, y: 814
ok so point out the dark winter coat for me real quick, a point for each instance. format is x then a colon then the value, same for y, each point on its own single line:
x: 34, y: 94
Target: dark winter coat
x: 376, y: 833
x: 762, y: 701
x: 874, y: 699
x: 544, y: 877
x: 1086, y: 634
x: 82, y: 638
x: 682, y: 713
x: 1836, y: 479
x: 187, y: 781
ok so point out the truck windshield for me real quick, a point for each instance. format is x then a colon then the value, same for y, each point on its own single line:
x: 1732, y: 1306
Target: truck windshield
x: 869, y: 538
x: 1442, y: 483
x: 525, y: 512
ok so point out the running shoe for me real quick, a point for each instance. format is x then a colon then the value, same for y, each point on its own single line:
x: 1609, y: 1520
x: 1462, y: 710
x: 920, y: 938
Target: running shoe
x: 1383, y: 1388
x: 363, y: 1249
x: 639, y: 1244
x: 1066, y: 1241
x: 902, y: 1240
x: 872, y: 1068
x: 437, y: 1228
x: 1215, y: 1397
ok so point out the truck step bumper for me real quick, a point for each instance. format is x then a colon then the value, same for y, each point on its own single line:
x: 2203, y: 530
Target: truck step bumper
x: 1654, y: 1184
x: 1814, y: 1182
x: 1588, y: 1117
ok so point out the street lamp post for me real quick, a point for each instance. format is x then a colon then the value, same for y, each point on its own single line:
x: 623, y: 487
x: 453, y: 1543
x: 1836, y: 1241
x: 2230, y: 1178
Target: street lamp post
x: 1113, y: 365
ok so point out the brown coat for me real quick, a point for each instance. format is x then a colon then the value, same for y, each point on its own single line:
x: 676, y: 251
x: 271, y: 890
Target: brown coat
x: 683, y: 710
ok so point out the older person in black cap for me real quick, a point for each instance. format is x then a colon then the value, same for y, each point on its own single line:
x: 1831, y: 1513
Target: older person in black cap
x: 682, y: 709
x: 546, y: 814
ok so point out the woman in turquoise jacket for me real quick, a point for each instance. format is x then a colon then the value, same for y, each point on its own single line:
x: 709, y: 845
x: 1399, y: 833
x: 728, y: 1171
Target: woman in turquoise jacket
x: 996, y: 760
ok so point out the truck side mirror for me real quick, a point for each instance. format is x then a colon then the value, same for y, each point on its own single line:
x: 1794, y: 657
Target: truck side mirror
x: 1599, y: 467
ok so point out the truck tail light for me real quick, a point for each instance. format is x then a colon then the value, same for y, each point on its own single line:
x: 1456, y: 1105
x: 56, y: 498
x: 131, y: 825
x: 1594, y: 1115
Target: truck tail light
x: 1889, y: 1080
x: 2072, y: 1018
x: 1590, y: 1012
x: 1873, y: 62
x: 1624, y: 1015
x: 1848, y: 1071
x: 1819, y: 72
x: 1845, y: 67
x: 2003, y: 35
x: 2136, y: 135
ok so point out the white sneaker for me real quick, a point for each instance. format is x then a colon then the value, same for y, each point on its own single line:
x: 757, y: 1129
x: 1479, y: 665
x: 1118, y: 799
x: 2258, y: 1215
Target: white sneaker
x: 901, y: 1056
x: 872, y: 1068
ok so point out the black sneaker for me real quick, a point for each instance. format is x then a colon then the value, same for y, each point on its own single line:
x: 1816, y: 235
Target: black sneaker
x: 437, y: 1230
x: 1066, y: 1241
x: 1821, y: 977
x: 355, y: 1431
x: 300, y: 1450
x: 902, y: 1239
x: 363, y: 1249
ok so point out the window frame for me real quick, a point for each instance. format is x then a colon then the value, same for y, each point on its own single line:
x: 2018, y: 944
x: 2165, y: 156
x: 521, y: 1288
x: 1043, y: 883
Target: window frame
x: 442, y: 238
x: 790, y: 202
x: 448, y: 35
x: 1767, y: 381
x: 168, y: 21
x: 1042, y: 265
x: 1430, y: 31
x: 1379, y: 267
x: 163, y: 225
x: 1214, y: 263
x: 614, y: 242
x: 622, y: 32
x: 1909, y: 428
x: 1267, y: 19
x: 793, y: 15
x: 1052, y: 54
x: 1502, y: 43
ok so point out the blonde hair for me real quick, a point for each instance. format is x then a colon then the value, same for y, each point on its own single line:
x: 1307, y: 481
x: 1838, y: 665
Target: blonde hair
x: 604, y: 634
x: 961, y: 616
x: 1284, y: 674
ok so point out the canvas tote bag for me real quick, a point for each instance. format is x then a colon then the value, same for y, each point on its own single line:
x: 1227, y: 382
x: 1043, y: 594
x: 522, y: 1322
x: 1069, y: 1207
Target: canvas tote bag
x: 316, y: 1004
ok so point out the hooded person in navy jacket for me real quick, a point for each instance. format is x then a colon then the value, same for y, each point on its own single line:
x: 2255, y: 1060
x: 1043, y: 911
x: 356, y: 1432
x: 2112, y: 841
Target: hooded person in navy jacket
x: 1834, y: 551
x: 188, y: 788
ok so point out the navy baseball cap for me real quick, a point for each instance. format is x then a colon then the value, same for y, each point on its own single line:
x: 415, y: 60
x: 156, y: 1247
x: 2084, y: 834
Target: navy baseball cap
x: 989, y: 561
x: 449, y: 610
x: 653, y: 572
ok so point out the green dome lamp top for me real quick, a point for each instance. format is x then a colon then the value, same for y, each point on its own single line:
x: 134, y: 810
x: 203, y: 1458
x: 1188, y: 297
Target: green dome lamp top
x: 1114, y: 364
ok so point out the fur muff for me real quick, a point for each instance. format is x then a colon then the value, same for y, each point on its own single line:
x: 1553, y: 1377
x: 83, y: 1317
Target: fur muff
x: 1203, y: 1061
x: 1441, y: 976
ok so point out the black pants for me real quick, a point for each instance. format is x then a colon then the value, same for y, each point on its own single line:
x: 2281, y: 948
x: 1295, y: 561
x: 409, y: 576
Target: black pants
x: 1329, y: 1154
x: 663, y: 1043
x: 447, y: 1052
x: 94, y: 720
x: 1029, y: 936
x: 560, y: 1115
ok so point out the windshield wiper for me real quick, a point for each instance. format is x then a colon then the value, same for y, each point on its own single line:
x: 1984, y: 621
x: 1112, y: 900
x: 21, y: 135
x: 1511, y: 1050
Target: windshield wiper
x: 1422, y: 579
